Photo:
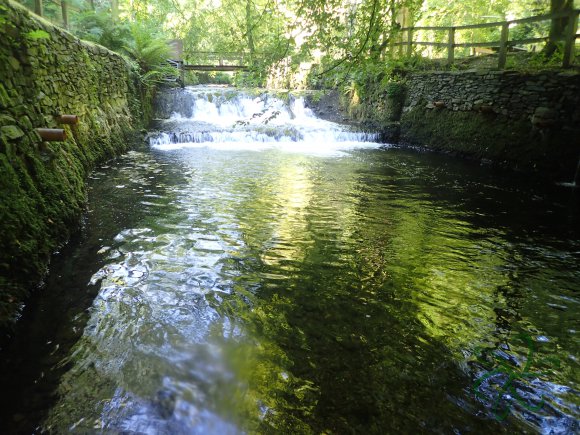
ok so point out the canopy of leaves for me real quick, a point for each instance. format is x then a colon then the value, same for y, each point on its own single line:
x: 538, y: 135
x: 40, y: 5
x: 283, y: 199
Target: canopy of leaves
x: 345, y: 40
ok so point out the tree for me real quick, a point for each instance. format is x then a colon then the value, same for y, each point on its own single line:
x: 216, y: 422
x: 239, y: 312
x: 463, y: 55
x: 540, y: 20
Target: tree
x: 558, y: 26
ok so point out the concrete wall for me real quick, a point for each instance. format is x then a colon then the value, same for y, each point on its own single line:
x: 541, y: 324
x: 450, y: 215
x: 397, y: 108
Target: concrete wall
x: 44, y: 72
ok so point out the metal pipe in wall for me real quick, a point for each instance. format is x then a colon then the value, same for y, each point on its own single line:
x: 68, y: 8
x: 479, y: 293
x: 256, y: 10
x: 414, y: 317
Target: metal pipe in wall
x: 52, y: 134
x: 68, y: 119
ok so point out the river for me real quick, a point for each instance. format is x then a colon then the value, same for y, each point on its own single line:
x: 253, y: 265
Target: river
x: 253, y: 269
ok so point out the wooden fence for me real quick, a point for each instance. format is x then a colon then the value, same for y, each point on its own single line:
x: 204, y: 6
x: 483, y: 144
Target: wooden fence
x: 224, y: 58
x: 504, y: 43
x: 65, y: 7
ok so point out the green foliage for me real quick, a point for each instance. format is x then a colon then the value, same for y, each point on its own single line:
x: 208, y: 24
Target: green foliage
x: 191, y: 78
x: 158, y: 75
x: 37, y: 34
x: 221, y: 78
x: 140, y: 42
x: 248, y: 80
x: 395, y: 89
x: 316, y: 96
x: 531, y: 62
x: 99, y: 28
x: 345, y: 40
x: 148, y: 48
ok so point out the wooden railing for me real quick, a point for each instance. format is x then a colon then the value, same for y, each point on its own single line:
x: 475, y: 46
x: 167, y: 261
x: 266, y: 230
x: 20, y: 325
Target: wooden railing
x: 504, y: 43
x: 65, y: 7
x: 224, y: 58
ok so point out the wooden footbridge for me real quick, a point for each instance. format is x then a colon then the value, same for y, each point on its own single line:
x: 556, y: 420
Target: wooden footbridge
x: 207, y: 60
x: 214, y: 61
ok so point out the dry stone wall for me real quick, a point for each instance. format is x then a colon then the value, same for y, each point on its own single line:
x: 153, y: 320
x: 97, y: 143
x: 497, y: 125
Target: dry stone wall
x: 525, y: 121
x: 506, y: 93
x: 46, y: 72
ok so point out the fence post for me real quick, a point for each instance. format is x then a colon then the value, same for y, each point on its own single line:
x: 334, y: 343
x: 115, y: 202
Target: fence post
x: 503, y: 45
x: 451, y: 46
x: 572, y: 28
x: 115, y: 10
x: 409, y: 42
x: 64, y: 10
x: 181, y: 72
x: 38, y: 9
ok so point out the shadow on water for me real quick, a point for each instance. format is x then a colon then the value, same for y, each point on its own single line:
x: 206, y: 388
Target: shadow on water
x: 55, y: 317
x: 275, y: 292
x: 381, y: 301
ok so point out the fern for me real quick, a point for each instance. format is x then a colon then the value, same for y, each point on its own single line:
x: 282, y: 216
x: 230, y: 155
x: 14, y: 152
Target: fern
x: 150, y: 50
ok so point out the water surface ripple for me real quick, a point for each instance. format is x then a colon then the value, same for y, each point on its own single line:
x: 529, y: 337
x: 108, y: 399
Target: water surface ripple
x: 237, y: 291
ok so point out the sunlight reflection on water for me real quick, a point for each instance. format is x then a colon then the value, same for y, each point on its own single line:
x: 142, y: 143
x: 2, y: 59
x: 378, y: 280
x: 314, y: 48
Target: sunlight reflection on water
x: 313, y: 291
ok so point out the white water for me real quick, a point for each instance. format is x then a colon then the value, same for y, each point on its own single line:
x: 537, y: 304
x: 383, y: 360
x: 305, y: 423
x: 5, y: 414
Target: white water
x: 576, y: 180
x: 230, y: 120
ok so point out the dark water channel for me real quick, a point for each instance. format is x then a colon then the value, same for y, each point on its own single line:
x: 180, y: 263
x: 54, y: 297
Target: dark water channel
x: 225, y: 291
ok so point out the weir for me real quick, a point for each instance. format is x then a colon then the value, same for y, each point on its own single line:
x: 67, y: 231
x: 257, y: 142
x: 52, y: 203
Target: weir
x: 204, y: 115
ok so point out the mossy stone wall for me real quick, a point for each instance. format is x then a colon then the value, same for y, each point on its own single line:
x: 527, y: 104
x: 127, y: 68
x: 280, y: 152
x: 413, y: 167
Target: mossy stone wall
x: 44, y: 72
x: 527, y: 121
x: 524, y: 121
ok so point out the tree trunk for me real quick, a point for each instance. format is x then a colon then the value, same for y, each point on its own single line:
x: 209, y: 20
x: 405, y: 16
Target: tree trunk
x: 249, y: 28
x: 64, y: 12
x: 38, y: 7
x: 558, y: 26
x: 115, y: 10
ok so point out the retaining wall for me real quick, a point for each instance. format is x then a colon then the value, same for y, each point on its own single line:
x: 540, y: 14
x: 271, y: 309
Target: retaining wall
x: 45, y: 72
x: 525, y: 121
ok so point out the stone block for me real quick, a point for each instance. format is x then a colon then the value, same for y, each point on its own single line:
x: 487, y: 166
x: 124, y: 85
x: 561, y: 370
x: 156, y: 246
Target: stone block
x: 4, y: 98
x: 11, y: 132
x: 14, y: 63
x: 7, y: 120
x: 25, y: 122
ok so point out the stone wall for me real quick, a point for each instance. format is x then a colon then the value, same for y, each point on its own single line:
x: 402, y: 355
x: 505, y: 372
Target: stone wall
x: 525, y: 121
x: 44, y: 72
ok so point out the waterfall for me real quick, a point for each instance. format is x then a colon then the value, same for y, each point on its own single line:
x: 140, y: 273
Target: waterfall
x: 228, y: 118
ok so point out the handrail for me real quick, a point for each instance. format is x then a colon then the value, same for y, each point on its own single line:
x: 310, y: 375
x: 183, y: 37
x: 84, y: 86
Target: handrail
x: 219, y: 58
x: 241, y: 53
x: 544, y: 17
x: 65, y: 7
x: 504, y: 42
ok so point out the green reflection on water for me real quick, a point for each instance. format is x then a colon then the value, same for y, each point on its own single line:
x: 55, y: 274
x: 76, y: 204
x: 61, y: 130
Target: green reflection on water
x: 292, y: 294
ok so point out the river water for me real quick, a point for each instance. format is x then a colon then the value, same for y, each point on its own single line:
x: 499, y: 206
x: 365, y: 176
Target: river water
x: 253, y: 269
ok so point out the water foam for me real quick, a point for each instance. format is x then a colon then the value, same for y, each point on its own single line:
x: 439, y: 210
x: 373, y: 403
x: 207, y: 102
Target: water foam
x: 234, y: 120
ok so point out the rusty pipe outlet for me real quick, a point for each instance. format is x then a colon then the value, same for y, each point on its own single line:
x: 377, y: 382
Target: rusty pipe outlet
x: 52, y: 134
x: 68, y: 119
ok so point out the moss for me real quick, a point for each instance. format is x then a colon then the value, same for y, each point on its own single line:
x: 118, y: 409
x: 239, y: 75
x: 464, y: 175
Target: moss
x: 11, y: 131
x: 43, y: 185
x: 23, y: 255
x: 4, y: 98
x: 513, y: 143
x: 377, y: 106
